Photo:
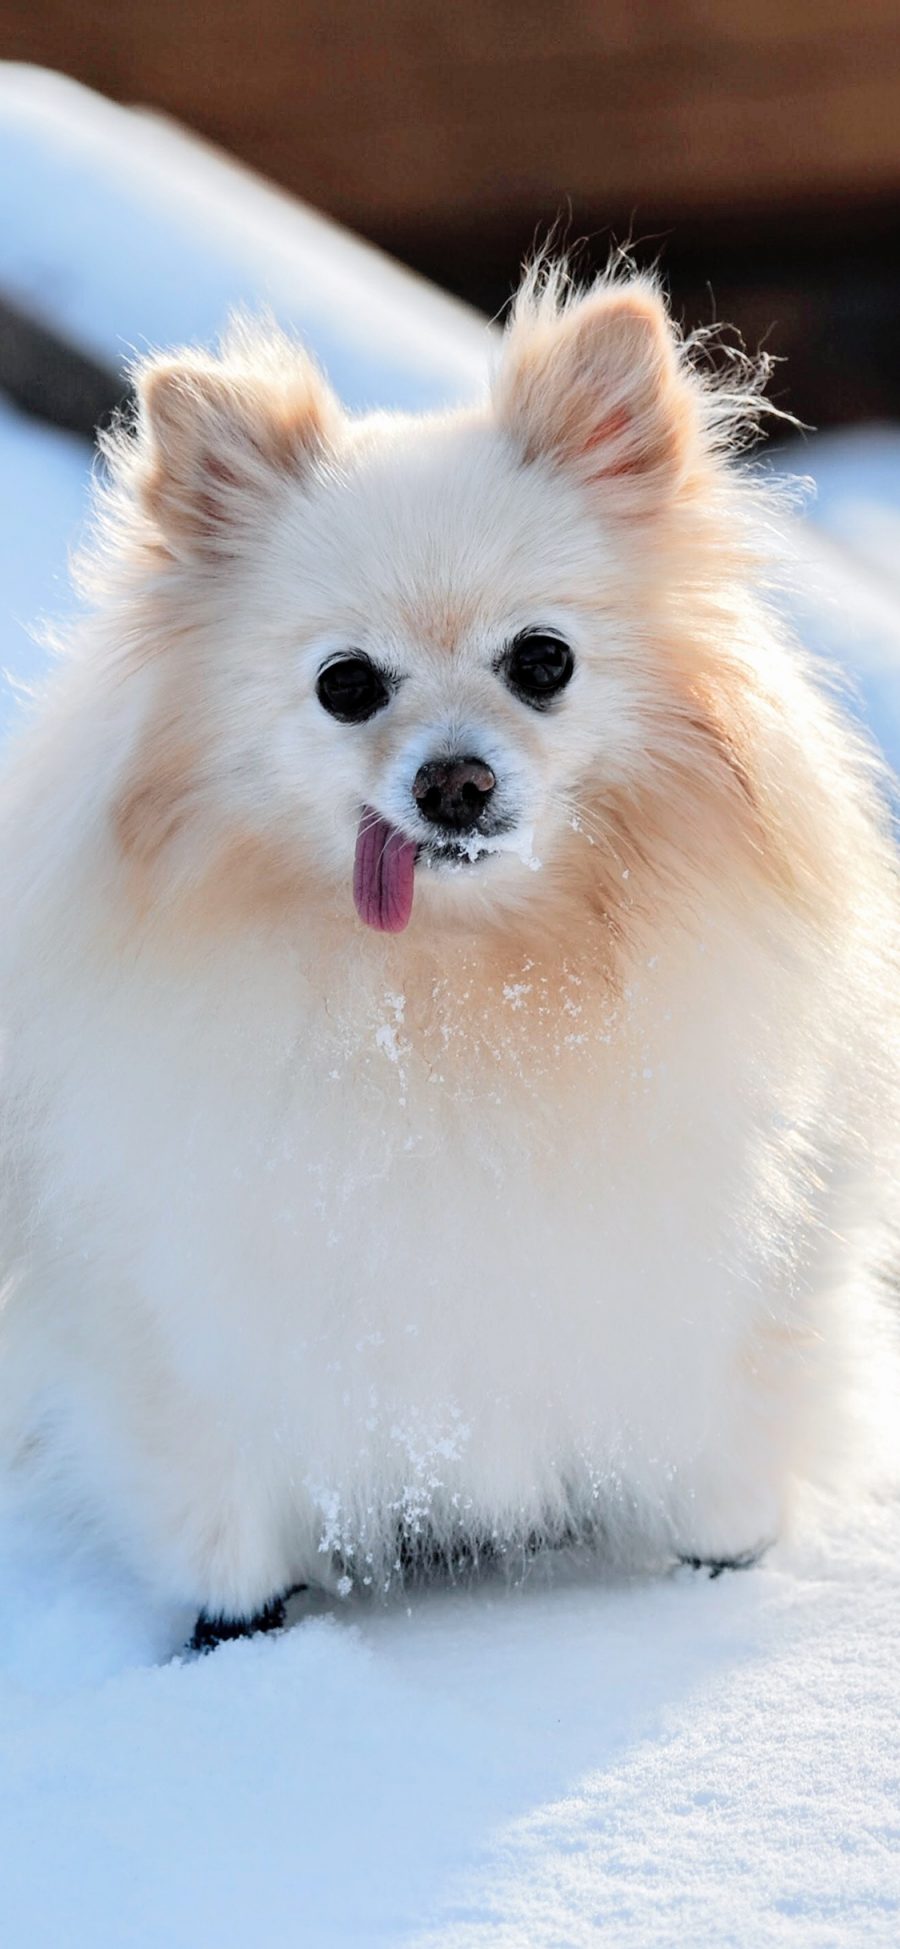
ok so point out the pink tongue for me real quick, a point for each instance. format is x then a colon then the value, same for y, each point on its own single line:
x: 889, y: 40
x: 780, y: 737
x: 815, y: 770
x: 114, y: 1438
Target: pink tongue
x: 383, y: 872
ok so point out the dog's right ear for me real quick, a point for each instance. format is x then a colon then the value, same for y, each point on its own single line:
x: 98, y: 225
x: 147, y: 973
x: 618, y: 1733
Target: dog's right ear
x: 218, y: 436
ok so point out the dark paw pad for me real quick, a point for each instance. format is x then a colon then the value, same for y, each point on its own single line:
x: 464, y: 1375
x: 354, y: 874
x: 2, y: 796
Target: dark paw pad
x: 210, y: 1631
x: 716, y: 1565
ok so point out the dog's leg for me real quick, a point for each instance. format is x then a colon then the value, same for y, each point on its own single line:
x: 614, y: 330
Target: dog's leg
x: 729, y: 1486
x: 727, y: 1506
x: 727, y: 1516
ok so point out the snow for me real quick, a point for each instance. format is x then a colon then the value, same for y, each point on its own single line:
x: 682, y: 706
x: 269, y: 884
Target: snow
x: 847, y: 567
x: 129, y: 233
x: 44, y: 480
x: 657, y: 1762
x: 579, y: 1758
x: 520, y: 843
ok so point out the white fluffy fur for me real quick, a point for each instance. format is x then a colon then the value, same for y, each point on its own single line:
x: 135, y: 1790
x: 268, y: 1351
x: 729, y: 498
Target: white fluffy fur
x: 555, y: 1214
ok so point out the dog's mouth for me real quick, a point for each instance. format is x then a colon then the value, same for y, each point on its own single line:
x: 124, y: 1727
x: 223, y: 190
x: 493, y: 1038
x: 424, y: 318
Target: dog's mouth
x: 385, y: 864
x: 454, y: 853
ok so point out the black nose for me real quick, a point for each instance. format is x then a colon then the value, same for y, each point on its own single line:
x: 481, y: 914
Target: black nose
x: 454, y: 793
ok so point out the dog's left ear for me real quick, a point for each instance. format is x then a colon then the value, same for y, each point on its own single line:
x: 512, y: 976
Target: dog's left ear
x: 598, y: 388
x: 219, y: 435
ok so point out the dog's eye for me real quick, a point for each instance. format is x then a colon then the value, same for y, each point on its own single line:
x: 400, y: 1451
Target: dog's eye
x: 351, y: 689
x: 538, y: 667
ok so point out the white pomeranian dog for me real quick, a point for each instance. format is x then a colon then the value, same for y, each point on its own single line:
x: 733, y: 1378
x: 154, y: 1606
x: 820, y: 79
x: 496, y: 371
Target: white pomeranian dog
x: 447, y: 985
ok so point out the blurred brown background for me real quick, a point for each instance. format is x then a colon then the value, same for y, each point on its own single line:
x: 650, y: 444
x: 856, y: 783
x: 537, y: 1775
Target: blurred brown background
x: 753, y: 145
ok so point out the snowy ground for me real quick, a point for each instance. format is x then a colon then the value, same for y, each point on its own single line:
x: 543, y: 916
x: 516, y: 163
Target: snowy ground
x: 578, y: 1760
x: 641, y: 1763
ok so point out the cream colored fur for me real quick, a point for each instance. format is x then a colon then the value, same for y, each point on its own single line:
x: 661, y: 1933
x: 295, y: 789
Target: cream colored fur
x: 556, y: 1214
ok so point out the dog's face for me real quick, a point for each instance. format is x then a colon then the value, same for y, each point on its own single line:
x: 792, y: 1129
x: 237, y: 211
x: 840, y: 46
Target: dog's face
x: 449, y: 629
x: 431, y: 651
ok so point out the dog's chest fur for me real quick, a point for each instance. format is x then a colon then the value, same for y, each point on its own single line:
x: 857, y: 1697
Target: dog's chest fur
x: 443, y: 1246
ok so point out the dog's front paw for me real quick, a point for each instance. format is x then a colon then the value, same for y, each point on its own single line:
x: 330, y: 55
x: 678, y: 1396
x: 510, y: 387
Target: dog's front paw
x: 211, y: 1631
x: 714, y: 1565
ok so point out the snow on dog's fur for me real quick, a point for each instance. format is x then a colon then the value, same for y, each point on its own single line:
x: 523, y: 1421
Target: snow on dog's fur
x: 546, y: 1204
